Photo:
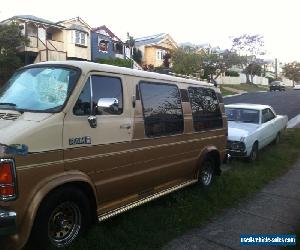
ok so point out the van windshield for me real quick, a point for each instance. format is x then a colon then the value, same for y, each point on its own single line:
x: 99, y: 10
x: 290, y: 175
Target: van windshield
x: 39, y: 89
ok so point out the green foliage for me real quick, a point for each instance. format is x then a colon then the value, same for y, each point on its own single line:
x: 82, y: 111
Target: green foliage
x: 231, y: 73
x: 10, y: 39
x: 250, y: 46
x: 127, y: 63
x: 137, y: 55
x: 253, y: 69
x: 187, y: 61
x: 292, y: 71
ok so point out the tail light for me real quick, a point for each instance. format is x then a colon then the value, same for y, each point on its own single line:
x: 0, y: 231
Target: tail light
x: 8, y: 183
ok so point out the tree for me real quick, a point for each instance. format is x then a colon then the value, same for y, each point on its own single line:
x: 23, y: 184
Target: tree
x: 253, y: 69
x: 137, y: 55
x: 166, y: 62
x: 186, y: 62
x: 292, y: 71
x: 249, y: 46
x: 11, y: 39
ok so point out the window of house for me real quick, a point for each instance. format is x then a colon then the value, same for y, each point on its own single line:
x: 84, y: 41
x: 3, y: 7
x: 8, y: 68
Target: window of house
x: 103, y: 87
x: 162, y: 109
x: 205, y: 109
x: 118, y: 48
x: 103, y: 45
x: 32, y: 30
x: 80, y: 38
x: 159, y: 55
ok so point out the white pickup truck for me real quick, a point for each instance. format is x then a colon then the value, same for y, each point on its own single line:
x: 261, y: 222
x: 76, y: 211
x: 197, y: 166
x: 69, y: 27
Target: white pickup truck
x: 251, y: 127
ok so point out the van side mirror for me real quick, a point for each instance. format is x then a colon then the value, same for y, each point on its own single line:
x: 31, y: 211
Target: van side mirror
x: 108, y: 105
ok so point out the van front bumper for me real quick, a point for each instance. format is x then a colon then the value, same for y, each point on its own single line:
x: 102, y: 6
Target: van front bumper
x: 7, y: 222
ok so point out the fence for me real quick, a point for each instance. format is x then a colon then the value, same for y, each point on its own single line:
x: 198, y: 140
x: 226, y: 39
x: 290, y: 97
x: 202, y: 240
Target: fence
x: 242, y: 79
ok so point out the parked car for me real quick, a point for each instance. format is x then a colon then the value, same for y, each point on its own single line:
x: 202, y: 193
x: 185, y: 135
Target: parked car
x: 297, y: 87
x: 277, y: 85
x: 83, y: 141
x: 252, y: 127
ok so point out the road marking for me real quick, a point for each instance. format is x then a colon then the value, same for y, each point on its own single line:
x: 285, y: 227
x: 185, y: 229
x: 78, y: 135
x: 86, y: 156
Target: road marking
x: 294, y: 122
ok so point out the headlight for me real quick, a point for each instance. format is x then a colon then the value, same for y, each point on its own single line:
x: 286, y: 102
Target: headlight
x: 236, y: 145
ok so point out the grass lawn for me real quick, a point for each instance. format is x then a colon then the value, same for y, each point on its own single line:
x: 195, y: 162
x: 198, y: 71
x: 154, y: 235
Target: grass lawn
x: 226, y: 92
x: 154, y: 224
x: 248, y: 87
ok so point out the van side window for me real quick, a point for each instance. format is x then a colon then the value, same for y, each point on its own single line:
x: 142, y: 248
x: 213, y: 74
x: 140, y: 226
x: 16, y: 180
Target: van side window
x: 83, y: 104
x: 162, y: 109
x: 106, y: 89
x: 205, y: 109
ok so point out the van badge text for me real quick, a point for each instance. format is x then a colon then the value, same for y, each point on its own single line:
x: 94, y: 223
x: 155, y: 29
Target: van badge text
x: 80, y: 140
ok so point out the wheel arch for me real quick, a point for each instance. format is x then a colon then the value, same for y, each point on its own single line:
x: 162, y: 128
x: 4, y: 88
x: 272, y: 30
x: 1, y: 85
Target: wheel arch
x: 210, y: 152
x: 70, y: 178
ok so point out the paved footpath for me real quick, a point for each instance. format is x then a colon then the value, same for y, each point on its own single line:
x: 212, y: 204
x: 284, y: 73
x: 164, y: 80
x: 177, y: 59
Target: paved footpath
x: 273, y: 210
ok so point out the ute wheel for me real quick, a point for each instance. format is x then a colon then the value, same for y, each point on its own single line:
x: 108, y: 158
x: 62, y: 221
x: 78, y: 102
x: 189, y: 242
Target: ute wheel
x: 61, y: 218
x: 254, y: 153
x: 277, y: 139
x: 206, y: 174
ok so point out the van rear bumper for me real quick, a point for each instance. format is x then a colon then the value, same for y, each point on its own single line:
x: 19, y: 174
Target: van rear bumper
x: 7, y: 222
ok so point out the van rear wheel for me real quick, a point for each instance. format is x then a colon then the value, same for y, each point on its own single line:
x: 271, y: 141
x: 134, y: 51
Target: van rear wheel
x: 61, y: 218
x: 206, y: 174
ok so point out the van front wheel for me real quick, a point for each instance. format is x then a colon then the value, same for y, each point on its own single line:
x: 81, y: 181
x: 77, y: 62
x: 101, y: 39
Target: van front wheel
x: 61, y: 218
x: 206, y: 173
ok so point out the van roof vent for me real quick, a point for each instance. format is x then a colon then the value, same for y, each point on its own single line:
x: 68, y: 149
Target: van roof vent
x: 8, y: 116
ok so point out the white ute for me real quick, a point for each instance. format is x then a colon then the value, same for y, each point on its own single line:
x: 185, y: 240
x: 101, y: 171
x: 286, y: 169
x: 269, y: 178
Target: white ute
x: 252, y: 127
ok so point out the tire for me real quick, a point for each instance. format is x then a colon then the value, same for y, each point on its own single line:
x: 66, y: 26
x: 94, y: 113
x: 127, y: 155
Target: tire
x: 254, y: 153
x: 277, y: 139
x: 206, y: 174
x: 61, y: 218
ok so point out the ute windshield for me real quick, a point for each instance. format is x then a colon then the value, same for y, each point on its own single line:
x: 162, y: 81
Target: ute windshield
x: 242, y: 115
x: 39, y: 89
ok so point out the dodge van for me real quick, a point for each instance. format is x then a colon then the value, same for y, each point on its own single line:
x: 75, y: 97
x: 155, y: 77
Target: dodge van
x: 81, y: 142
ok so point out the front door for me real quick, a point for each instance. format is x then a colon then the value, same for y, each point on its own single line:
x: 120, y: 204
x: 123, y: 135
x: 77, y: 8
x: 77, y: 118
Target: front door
x: 98, y: 149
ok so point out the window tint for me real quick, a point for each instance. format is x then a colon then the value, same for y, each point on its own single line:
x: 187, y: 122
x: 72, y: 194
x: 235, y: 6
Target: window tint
x: 162, y: 109
x: 267, y: 115
x: 107, y: 89
x: 83, y: 104
x: 205, y: 108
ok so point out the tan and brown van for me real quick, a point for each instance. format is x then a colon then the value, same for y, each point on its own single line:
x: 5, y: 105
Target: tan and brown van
x: 82, y: 141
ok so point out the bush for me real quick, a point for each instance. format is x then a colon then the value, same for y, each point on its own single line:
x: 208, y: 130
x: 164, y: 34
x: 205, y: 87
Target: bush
x: 126, y: 63
x: 232, y: 73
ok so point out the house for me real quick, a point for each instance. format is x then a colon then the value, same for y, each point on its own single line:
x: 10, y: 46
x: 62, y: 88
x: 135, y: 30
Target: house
x: 77, y: 39
x: 50, y: 41
x: 45, y: 39
x: 154, y: 48
x: 105, y: 44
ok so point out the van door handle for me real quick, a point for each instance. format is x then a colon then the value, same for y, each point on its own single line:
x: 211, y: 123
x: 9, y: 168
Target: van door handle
x: 125, y: 126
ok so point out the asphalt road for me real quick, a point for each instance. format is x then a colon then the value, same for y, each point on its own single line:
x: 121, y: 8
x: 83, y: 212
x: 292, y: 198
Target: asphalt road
x: 284, y: 102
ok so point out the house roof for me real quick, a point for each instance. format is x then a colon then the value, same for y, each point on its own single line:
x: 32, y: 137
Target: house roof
x: 154, y: 40
x: 75, y: 19
x: 76, y: 27
x: 108, y: 31
x: 34, y: 19
x: 150, y: 40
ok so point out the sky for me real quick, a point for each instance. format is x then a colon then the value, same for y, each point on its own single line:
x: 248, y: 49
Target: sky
x: 196, y: 21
